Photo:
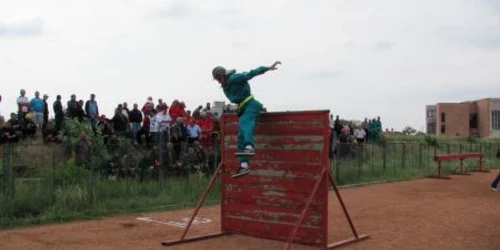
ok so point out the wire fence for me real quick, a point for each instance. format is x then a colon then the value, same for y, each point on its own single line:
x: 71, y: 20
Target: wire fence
x: 351, y: 163
x: 362, y: 163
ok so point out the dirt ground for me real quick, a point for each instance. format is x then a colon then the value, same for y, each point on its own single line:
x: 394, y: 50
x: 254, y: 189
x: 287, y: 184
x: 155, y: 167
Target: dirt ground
x: 462, y: 213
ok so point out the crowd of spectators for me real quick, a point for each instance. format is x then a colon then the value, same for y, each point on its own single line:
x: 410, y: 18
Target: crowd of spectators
x: 148, y: 125
x: 345, y: 134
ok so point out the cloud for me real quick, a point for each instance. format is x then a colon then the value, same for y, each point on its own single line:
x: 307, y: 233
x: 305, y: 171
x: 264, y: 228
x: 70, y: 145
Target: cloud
x: 26, y: 28
x: 322, y: 75
x: 178, y: 10
x: 383, y: 45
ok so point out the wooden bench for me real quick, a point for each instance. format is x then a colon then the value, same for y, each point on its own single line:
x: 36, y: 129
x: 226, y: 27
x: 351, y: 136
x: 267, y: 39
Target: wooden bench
x: 460, y: 168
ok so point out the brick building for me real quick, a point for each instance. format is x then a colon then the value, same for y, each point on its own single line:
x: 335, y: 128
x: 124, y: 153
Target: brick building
x: 472, y: 118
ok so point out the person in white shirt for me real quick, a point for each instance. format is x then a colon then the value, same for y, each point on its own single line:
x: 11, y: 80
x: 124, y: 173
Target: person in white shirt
x: 160, y: 124
x: 360, y: 134
x: 23, y: 104
x: 194, y: 132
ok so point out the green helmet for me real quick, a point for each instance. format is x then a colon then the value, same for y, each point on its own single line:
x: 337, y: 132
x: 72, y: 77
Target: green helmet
x: 218, y: 71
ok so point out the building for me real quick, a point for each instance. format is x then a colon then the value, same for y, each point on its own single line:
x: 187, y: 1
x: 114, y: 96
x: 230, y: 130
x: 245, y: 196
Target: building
x: 472, y: 118
x: 430, y: 114
x: 220, y: 106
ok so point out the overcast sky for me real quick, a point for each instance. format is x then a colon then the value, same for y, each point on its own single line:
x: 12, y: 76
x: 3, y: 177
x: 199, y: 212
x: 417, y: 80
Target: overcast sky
x: 355, y: 58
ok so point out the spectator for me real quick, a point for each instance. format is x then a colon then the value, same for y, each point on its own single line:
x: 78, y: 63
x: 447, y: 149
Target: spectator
x: 360, y: 135
x: 135, y: 119
x: 148, y: 106
x: 37, y: 108
x: 345, y: 141
x: 72, y: 107
x: 8, y: 134
x: 120, y: 124
x: 338, y: 127
x: 92, y: 111
x: 178, y: 137
x: 162, y: 123
x: 28, y: 127
x: 45, y: 112
x: 82, y: 150
x: 59, y: 113
x: 145, y: 129
x: 194, y: 132
x: 160, y: 102
x: 125, y: 111
x: 23, y: 104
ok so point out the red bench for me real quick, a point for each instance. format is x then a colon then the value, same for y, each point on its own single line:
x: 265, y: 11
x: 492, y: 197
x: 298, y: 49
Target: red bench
x: 461, y: 157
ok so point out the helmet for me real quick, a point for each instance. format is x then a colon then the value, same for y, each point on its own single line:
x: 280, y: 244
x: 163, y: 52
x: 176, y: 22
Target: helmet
x: 218, y: 71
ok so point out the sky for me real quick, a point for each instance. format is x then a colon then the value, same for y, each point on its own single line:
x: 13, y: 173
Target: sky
x: 356, y: 58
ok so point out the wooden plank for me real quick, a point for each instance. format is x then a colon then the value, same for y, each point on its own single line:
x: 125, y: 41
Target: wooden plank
x: 281, y: 156
x: 280, y: 128
x: 279, y: 170
x: 273, y: 215
x: 456, y: 156
x: 285, y: 184
x: 279, y: 142
x: 290, y: 154
x: 305, y: 235
x: 280, y: 116
x: 266, y: 198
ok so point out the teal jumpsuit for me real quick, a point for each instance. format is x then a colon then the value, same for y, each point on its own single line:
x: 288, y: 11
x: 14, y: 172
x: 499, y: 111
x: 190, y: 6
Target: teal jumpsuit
x: 237, y: 90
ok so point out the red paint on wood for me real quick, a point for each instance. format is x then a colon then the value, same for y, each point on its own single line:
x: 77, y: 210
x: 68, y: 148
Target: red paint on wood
x: 306, y: 236
x: 457, y: 156
x: 281, y: 142
x: 282, y: 156
x: 291, y: 152
x: 274, y: 215
x: 290, y: 128
x: 263, y: 197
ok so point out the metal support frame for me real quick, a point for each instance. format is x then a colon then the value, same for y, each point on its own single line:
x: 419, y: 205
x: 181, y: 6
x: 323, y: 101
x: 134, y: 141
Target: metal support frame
x: 200, y: 203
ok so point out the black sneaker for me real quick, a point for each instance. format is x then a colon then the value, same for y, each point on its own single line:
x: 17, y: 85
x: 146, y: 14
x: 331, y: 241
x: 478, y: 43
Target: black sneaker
x: 241, y: 172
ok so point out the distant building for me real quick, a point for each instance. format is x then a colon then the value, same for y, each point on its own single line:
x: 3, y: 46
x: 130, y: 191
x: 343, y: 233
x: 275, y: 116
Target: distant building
x: 472, y: 118
x: 220, y: 106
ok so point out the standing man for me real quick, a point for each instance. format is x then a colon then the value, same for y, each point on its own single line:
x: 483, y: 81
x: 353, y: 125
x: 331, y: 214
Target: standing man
x: 135, y: 119
x: 37, y: 107
x: 92, y: 111
x: 45, y: 112
x: 58, y: 113
x: 237, y: 90
x: 23, y: 104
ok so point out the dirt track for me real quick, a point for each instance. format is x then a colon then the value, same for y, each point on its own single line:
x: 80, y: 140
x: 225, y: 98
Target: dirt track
x: 462, y: 213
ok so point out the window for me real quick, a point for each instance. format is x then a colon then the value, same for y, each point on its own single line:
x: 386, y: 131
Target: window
x: 473, y: 121
x: 443, y: 126
x: 495, y: 120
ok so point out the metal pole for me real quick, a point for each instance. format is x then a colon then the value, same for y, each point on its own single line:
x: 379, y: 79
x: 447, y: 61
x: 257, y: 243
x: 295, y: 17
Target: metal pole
x: 53, y: 173
x: 160, y: 155
x: 202, y: 199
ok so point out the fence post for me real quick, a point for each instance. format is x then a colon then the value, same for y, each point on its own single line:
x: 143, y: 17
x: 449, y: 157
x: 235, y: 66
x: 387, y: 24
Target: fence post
x: 403, y: 158
x: 8, y: 177
x: 371, y: 157
x: 53, y: 173
x: 384, y: 156
x: 160, y: 156
x: 420, y: 154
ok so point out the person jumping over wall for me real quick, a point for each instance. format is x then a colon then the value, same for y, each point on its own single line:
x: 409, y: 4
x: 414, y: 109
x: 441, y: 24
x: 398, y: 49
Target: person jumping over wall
x: 237, y: 90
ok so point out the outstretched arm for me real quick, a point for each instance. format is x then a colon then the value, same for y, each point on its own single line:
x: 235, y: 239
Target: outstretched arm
x: 246, y: 76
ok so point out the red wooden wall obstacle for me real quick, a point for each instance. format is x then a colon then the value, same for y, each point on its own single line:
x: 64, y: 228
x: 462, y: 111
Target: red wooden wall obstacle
x: 285, y: 196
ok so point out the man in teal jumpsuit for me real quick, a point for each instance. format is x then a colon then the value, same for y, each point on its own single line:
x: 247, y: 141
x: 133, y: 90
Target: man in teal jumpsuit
x: 237, y: 90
